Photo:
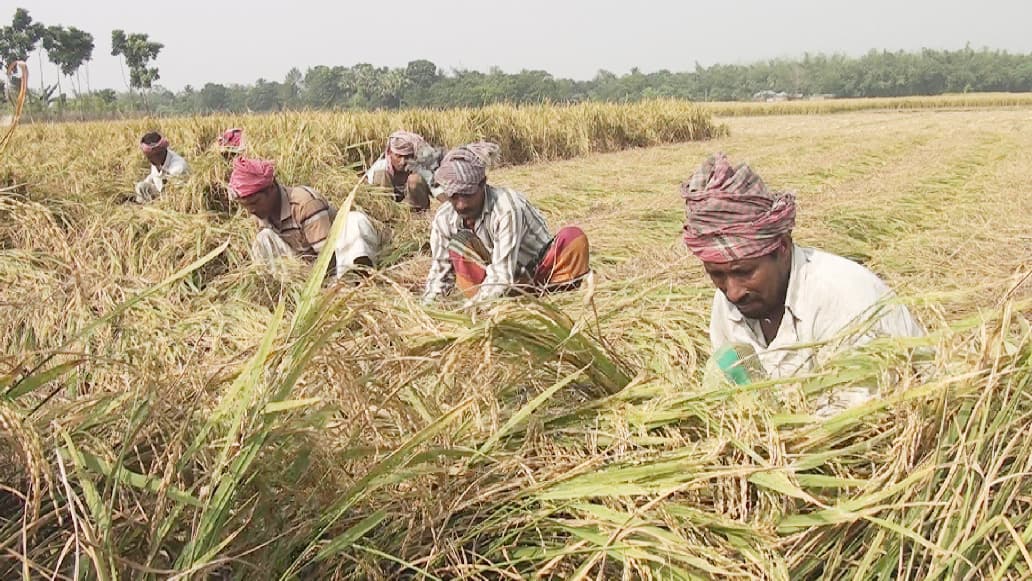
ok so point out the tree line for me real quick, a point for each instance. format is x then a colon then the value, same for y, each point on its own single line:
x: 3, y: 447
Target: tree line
x: 422, y: 83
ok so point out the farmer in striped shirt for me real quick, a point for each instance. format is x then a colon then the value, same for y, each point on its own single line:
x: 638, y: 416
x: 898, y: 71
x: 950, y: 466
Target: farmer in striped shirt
x: 407, y: 167
x: 294, y: 222
x: 489, y: 241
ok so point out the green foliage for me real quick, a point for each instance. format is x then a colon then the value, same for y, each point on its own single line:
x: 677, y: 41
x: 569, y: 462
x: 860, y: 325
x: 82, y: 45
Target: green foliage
x: 422, y: 84
x: 138, y: 50
x: 68, y: 48
x: 19, y: 38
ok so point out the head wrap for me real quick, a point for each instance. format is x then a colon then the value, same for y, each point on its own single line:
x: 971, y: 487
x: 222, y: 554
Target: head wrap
x: 250, y: 176
x: 232, y: 141
x: 404, y: 143
x: 731, y: 215
x: 149, y: 148
x: 464, y: 168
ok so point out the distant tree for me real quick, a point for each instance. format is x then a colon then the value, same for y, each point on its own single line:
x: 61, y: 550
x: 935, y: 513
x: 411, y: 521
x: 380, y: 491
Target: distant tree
x: 213, y: 97
x: 68, y: 49
x: 322, y: 87
x: 137, y: 50
x: 264, y: 96
x: 290, y: 88
x: 421, y: 73
x: 422, y: 83
x: 20, y: 38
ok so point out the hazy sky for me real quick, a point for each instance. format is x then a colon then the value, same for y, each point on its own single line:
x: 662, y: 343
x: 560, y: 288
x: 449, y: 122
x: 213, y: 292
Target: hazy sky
x: 238, y: 42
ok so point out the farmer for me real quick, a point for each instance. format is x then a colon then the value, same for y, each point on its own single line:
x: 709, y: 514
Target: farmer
x: 489, y: 240
x: 294, y: 221
x: 407, y: 166
x: 772, y: 294
x: 231, y: 143
x: 165, y: 163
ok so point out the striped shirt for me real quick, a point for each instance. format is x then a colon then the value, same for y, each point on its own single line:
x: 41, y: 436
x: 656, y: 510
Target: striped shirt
x: 512, y: 230
x: 304, y: 221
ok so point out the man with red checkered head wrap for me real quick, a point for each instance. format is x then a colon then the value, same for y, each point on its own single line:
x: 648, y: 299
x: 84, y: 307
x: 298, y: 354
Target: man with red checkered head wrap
x: 295, y: 222
x: 788, y: 307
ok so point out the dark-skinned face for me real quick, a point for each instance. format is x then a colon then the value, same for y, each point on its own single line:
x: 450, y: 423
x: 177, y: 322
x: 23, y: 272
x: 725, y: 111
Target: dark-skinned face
x: 157, y: 158
x: 756, y: 286
x: 263, y: 204
x: 469, y: 207
x: 399, y: 162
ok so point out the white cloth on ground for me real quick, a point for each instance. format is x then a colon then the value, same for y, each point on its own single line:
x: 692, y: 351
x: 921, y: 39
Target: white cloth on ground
x: 359, y: 238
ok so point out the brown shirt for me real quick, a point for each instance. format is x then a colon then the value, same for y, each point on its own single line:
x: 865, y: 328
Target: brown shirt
x: 304, y: 221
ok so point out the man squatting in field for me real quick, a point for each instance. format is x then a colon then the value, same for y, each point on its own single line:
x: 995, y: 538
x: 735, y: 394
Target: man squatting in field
x: 407, y: 166
x: 774, y: 295
x: 294, y: 222
x: 164, y: 162
x: 489, y: 240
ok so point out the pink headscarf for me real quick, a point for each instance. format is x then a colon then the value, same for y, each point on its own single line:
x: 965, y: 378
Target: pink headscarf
x: 731, y: 215
x: 250, y: 176
x: 232, y: 140
x: 464, y: 168
x: 149, y: 148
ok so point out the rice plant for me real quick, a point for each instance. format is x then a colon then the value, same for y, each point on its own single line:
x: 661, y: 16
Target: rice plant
x: 167, y: 410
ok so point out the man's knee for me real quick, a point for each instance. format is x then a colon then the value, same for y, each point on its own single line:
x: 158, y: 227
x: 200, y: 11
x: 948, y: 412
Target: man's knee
x: 415, y: 181
x: 418, y: 192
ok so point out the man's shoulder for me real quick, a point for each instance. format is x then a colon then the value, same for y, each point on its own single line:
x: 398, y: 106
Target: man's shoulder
x: 305, y: 202
x: 175, y: 164
x: 501, y: 191
x: 840, y: 279
x: 505, y: 200
x: 304, y: 195
x: 833, y: 269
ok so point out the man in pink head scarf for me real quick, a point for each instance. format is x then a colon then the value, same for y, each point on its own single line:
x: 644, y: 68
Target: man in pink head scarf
x: 294, y: 222
x: 406, y: 167
x: 164, y: 163
x: 489, y: 241
x: 776, y: 300
x: 231, y: 143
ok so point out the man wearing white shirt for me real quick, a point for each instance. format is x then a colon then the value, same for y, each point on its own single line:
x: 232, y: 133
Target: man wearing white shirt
x: 407, y: 167
x: 164, y: 162
x: 792, y: 306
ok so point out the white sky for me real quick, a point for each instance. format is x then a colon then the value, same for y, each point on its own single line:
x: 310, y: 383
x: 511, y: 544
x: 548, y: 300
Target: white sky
x: 238, y: 42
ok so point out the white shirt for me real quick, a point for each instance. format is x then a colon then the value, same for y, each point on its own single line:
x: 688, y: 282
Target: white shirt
x: 827, y: 295
x: 174, y: 165
x: 378, y: 165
